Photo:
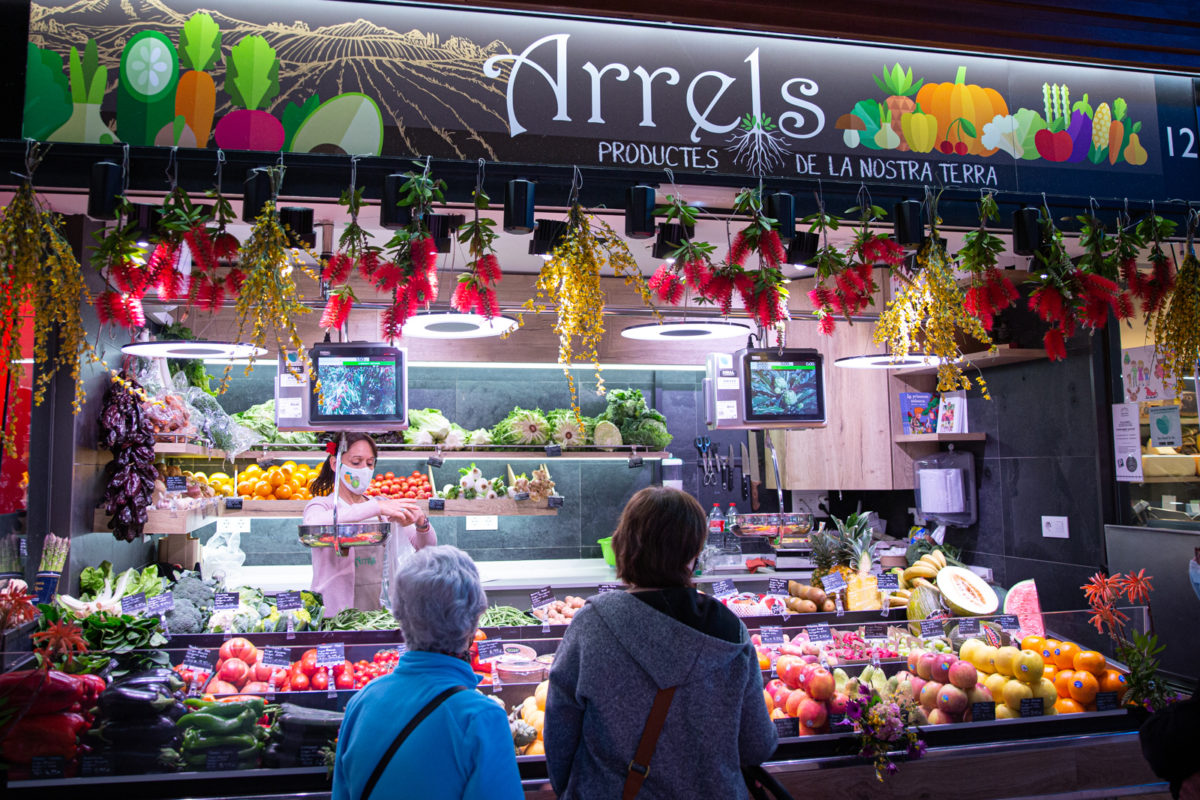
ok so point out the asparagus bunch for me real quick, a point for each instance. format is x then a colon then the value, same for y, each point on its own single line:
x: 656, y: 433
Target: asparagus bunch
x: 54, y: 553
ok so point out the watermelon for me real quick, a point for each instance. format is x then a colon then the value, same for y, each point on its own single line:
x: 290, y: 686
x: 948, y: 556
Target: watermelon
x: 1022, y: 600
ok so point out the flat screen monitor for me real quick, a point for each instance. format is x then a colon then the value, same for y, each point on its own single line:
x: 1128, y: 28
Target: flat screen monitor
x: 357, y: 383
x: 783, y: 387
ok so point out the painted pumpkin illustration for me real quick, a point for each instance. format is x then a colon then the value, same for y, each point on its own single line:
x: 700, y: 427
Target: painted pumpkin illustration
x: 962, y: 109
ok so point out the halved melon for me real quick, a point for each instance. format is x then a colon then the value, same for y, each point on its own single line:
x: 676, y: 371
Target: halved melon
x: 966, y: 593
x: 349, y: 123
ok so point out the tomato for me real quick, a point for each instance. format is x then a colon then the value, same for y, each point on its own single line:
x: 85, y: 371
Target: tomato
x: 410, y: 494
x: 344, y: 681
x: 389, y: 475
x: 239, y: 647
x: 320, y: 680
x: 299, y: 682
x: 479, y: 634
x: 234, y: 671
x: 338, y: 669
x: 308, y: 662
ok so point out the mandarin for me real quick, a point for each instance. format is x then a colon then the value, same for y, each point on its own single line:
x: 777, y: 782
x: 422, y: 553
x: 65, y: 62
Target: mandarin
x: 1035, y: 643
x: 1064, y: 655
x: 1065, y: 705
x: 1062, y: 682
x: 1090, y: 661
x: 1114, y: 681
x: 1083, y: 687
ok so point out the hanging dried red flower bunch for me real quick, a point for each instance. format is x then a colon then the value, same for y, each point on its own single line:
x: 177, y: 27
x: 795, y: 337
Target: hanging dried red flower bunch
x: 1151, y: 290
x: 689, y: 266
x: 121, y: 261
x: 762, y: 291
x: 355, y: 251
x: 990, y: 291
x: 476, y: 289
x: 852, y: 276
x: 410, y: 274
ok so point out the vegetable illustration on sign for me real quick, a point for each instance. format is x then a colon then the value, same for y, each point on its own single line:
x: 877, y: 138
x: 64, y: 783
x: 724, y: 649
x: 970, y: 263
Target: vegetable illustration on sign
x: 88, y: 80
x: 196, y: 94
x: 146, y: 90
x: 962, y: 110
x: 899, y: 85
x: 349, y: 123
x: 252, y: 81
x: 47, y: 95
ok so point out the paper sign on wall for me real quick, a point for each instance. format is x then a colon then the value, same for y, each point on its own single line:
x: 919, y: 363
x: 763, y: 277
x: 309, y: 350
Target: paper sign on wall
x: 1127, y: 442
x: 1165, y: 430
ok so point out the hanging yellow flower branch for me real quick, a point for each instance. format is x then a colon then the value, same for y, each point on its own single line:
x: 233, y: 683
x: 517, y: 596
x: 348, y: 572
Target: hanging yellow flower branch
x: 40, y: 277
x: 929, y: 311
x: 570, y: 281
x: 1176, y: 324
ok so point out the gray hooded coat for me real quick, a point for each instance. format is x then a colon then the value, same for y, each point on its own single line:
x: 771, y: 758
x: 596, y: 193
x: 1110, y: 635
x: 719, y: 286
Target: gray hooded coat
x: 614, y: 658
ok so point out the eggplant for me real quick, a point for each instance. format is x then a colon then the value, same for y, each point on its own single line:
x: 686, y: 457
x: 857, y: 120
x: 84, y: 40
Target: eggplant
x: 141, y: 734
x: 131, y: 702
x: 162, y: 677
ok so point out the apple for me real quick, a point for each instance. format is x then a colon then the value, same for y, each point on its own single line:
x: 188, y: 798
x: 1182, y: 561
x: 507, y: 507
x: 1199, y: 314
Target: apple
x: 793, y: 702
x: 979, y: 694
x: 779, y: 694
x: 812, y: 715
x: 837, y: 703
x: 963, y: 674
x: 951, y: 699
x: 941, y: 667
x: 929, y: 693
x: 925, y: 665
x: 1028, y: 667
x: 918, y: 684
x: 820, y: 684
x: 788, y: 668
x: 913, y: 655
x: 939, y: 717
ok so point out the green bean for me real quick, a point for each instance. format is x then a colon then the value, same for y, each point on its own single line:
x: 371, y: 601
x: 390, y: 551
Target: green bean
x: 502, y: 616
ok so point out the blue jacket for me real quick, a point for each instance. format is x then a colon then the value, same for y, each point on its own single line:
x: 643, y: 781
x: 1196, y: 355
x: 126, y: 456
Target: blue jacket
x: 462, y: 750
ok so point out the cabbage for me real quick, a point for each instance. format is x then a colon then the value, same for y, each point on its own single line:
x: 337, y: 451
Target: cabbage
x: 430, y: 420
x: 649, y: 433
x: 456, y: 439
x: 606, y: 434
x: 565, y: 428
x: 522, y: 426
x: 479, y: 437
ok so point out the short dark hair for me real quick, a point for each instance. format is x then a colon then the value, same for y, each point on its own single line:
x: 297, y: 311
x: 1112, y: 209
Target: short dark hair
x: 660, y: 532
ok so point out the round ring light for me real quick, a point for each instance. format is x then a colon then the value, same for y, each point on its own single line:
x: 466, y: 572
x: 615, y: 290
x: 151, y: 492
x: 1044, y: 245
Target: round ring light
x: 453, y: 325
x: 192, y: 349
x: 686, y: 331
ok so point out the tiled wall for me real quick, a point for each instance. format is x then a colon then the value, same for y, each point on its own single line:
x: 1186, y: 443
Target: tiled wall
x: 595, y: 491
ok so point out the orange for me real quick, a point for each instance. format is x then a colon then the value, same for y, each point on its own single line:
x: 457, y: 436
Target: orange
x: 1062, y: 682
x: 1090, y: 661
x: 297, y: 484
x: 1065, y: 705
x: 1050, y: 672
x: 275, y: 478
x: 245, y: 487
x: 1113, y: 681
x: 1048, y: 651
x: 283, y: 491
x: 1083, y: 687
x: 252, y: 470
x: 1064, y: 655
x: 1034, y: 643
x: 262, y: 489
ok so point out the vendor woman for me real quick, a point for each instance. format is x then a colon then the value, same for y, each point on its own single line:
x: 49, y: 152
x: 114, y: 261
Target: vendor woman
x: 359, y: 580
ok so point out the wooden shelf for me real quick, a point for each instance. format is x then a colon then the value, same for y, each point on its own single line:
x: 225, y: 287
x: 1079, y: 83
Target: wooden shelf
x: 160, y: 521
x: 912, y: 438
x: 1003, y: 356
x: 533, y: 454
x: 1171, y: 479
x: 499, y: 507
x: 187, y: 449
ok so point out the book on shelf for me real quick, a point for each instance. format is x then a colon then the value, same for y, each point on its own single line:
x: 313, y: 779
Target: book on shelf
x: 918, y: 412
x: 952, y: 413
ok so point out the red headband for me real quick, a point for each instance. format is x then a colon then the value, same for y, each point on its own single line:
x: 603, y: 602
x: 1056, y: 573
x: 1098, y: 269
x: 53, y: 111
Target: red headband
x: 331, y: 448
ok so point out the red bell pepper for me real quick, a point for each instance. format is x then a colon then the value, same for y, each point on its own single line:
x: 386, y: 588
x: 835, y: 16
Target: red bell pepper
x: 93, y: 685
x: 45, y: 692
x: 43, y: 735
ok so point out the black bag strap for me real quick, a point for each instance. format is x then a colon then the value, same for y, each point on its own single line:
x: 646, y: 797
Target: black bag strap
x: 429, y: 708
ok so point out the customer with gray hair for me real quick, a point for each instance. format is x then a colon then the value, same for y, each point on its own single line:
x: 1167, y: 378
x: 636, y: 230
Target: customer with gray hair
x: 423, y: 731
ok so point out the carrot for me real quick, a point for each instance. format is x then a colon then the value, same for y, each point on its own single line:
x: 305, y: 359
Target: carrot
x: 196, y: 102
x: 1116, y: 137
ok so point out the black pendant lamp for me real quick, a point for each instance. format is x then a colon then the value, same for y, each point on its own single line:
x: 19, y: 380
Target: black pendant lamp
x: 639, y: 212
x: 518, y: 206
x: 908, y: 229
x: 298, y: 220
x: 670, y: 236
x: 442, y: 228
x: 256, y: 193
x: 392, y: 215
x: 781, y: 206
x: 803, y: 248
x: 145, y: 217
x: 105, y: 189
x: 1026, y: 231
x: 547, y: 234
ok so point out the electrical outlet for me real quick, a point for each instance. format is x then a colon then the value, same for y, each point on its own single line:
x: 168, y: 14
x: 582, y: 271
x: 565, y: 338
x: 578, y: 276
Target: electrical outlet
x: 983, y: 572
x: 1054, y: 528
x: 482, y: 523
x: 810, y: 502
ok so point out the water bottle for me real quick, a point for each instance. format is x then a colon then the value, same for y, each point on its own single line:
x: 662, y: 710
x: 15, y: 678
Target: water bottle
x: 716, y: 526
x: 731, y: 542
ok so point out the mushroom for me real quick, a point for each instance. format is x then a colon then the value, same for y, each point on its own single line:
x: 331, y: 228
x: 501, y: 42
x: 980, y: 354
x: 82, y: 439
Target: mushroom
x: 851, y: 124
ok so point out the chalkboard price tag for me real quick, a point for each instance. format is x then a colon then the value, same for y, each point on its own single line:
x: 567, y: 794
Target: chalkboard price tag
x: 95, y: 765
x: 819, y: 632
x: 134, y: 603
x: 434, y: 461
x: 888, y: 582
x: 331, y: 654
x: 175, y: 483
x: 1008, y: 622
x: 437, y: 504
x: 833, y: 582
x: 1032, y: 707
x: 490, y: 649
x: 605, y: 588
x: 1107, y: 701
x: 223, y: 601
x: 160, y: 604
x: 541, y: 598
x: 635, y: 461
x: 198, y: 658
x: 289, y: 601
x: 777, y: 586
x: 233, y: 504
x: 723, y: 588
x: 555, y: 501
x: 519, y: 496
x: 22, y: 547
x: 876, y: 630
x: 787, y: 727
x: 219, y: 759
x: 47, y: 767
x: 931, y: 627
x: 311, y: 756
x: 277, y: 656
x: 983, y: 712
x: 554, y: 450
x: 837, y: 720
x: 771, y: 635
x: 401, y: 649
x: 968, y: 626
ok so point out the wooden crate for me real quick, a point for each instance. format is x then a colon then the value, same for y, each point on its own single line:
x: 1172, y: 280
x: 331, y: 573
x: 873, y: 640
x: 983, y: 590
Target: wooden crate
x: 162, y: 521
x: 499, y: 507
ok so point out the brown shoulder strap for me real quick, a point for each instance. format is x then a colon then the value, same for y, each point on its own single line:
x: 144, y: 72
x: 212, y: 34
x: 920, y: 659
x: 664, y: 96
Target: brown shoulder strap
x: 639, y: 767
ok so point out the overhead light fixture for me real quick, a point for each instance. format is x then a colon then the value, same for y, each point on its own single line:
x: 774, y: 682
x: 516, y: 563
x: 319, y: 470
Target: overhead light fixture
x: 639, y: 212
x: 299, y: 220
x: 888, y: 361
x: 105, y: 189
x: 392, y: 215
x: 518, y: 206
x: 442, y: 228
x: 145, y: 217
x: 1026, y: 231
x: 687, y: 331
x: 184, y: 348
x: 781, y: 207
x: 803, y: 249
x: 670, y: 236
x: 256, y: 193
x: 907, y: 227
x: 547, y: 235
x: 453, y: 325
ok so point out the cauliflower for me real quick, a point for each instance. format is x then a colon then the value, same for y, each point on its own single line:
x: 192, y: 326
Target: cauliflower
x: 185, y: 617
x: 242, y: 619
x: 1001, y: 133
x: 479, y: 436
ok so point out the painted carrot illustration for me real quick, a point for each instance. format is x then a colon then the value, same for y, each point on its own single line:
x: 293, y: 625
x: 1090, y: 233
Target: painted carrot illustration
x: 196, y: 94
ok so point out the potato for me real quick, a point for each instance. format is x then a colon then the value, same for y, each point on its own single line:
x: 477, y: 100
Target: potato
x: 828, y: 605
x: 808, y: 607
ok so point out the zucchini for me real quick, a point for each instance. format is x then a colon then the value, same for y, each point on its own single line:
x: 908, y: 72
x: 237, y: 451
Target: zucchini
x: 300, y: 718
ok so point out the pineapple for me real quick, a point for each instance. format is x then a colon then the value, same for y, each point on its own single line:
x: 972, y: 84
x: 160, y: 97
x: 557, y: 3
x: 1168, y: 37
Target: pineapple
x: 862, y: 592
x: 825, y: 546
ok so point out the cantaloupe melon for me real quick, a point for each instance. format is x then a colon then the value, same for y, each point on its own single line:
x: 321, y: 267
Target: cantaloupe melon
x: 966, y: 593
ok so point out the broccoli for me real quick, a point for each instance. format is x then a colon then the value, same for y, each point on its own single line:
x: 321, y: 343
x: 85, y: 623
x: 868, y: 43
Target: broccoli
x: 185, y: 617
x: 189, y: 587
